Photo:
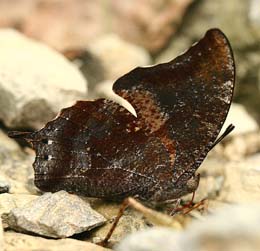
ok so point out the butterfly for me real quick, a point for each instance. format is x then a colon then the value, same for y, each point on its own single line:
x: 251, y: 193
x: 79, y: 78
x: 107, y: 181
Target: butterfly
x: 99, y: 149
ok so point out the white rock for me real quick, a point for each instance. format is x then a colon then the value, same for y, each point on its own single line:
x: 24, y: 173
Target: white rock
x: 55, y: 215
x: 118, y: 56
x: 154, y: 239
x: 242, y: 179
x: 244, y: 140
x: 241, y: 119
x: 35, y: 81
x: 254, y: 12
x: 235, y: 227
x: 231, y: 228
x: 11, y: 201
x: 241, y: 146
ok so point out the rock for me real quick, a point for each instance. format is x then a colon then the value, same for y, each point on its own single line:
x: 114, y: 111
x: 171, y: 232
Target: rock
x: 210, y: 14
x: 23, y: 242
x: 117, y: 56
x: 8, y: 145
x: 243, y: 121
x: 254, y: 15
x: 22, y: 185
x: 55, y: 215
x: 15, y: 167
x: 244, y: 139
x: 154, y: 239
x: 63, y: 23
x: 90, y: 66
x: 11, y: 201
x: 35, y: 81
x: 239, y: 147
x: 4, y: 185
x: 243, y: 34
x: 229, y: 228
x: 242, y: 179
x: 1, y: 237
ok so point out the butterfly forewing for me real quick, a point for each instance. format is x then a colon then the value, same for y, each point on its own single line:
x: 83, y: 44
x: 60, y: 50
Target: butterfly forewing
x: 192, y: 95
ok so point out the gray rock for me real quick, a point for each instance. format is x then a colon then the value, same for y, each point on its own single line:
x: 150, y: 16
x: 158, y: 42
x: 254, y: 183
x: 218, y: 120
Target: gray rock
x: 55, y: 215
x: 15, y: 167
x: 23, y: 242
x: 35, y: 81
x: 117, y: 56
x: 1, y: 237
x: 11, y: 201
x: 21, y: 185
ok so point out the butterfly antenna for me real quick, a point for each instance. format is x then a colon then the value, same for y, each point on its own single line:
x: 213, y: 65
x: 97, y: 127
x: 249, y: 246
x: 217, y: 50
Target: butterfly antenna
x: 228, y: 130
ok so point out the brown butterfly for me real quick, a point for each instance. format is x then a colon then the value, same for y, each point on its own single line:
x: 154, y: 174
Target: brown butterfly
x: 99, y: 149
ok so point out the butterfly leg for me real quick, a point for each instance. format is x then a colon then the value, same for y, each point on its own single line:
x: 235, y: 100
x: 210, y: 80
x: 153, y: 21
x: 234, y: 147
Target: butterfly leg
x: 181, y: 208
x: 153, y: 216
x: 120, y: 213
x: 189, y: 206
x: 197, y: 205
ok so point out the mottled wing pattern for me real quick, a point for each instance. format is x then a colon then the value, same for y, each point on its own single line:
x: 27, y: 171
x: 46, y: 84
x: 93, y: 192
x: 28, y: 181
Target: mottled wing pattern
x: 99, y: 149
x: 186, y: 100
x: 95, y: 148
